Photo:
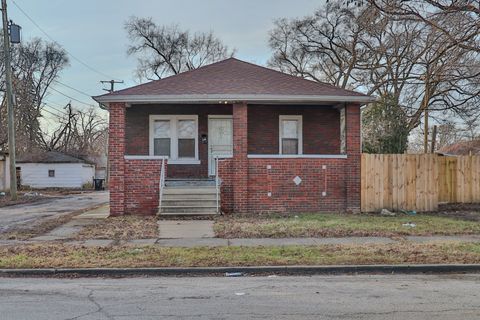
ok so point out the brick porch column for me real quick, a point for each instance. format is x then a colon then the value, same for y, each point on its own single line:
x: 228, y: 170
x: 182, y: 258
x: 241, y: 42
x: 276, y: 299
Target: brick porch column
x: 116, y: 158
x: 240, y: 161
x: 352, y: 127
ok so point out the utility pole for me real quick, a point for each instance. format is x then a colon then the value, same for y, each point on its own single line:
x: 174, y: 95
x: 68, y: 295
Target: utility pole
x: 112, y: 84
x: 9, y: 93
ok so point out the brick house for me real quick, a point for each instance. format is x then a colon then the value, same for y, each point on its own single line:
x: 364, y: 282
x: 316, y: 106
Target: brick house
x: 233, y: 137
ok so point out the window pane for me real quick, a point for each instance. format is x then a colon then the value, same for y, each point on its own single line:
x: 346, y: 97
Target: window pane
x: 161, y: 129
x: 290, y: 129
x: 289, y: 146
x: 186, y: 129
x: 186, y: 148
x: 161, y: 146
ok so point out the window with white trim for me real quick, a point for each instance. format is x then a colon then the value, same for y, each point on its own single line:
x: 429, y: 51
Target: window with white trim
x: 174, y: 136
x: 290, y: 135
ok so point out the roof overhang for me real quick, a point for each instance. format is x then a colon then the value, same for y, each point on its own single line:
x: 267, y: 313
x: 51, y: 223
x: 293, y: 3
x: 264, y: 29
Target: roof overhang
x: 225, y: 98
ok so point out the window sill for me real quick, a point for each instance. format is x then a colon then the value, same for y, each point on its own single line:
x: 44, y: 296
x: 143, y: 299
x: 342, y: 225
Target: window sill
x: 297, y: 156
x: 184, y: 161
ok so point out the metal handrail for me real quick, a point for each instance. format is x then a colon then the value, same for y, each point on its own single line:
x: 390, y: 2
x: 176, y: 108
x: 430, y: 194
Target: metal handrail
x: 161, y: 185
x: 217, y: 187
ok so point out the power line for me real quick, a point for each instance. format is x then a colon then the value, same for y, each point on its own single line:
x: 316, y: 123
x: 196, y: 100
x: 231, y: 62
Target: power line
x: 49, y: 106
x: 52, y: 113
x: 72, y: 88
x: 48, y: 36
x: 70, y: 97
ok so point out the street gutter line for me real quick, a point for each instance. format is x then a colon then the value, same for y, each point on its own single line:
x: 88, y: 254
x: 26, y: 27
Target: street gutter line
x: 255, y: 270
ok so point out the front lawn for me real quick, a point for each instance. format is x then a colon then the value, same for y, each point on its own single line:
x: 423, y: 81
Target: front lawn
x: 340, y: 225
x: 69, y: 256
x: 121, y: 228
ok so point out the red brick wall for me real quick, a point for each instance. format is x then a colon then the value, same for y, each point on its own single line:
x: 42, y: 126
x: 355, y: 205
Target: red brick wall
x: 225, y: 172
x: 353, y: 127
x: 246, y: 182
x: 137, y: 132
x: 116, y: 163
x: 142, y: 184
x: 286, y: 196
x: 240, y: 161
x: 340, y: 179
x: 321, y: 128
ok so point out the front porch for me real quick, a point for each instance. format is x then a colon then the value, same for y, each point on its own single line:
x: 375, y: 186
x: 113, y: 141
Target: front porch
x: 271, y: 158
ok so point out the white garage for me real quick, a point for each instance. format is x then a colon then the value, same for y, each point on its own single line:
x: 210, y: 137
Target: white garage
x: 54, y: 170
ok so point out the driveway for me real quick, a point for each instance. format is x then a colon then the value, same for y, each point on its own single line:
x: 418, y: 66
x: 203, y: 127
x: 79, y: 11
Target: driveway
x: 363, y: 297
x: 26, y: 215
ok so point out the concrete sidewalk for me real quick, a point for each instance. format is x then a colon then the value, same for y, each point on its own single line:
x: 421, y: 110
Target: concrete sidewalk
x: 218, y: 242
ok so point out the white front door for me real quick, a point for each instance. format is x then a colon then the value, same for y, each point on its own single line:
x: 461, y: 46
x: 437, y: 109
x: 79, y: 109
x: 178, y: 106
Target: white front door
x: 220, y: 139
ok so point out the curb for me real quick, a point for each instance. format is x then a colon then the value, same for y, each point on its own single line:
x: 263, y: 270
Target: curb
x: 241, y: 271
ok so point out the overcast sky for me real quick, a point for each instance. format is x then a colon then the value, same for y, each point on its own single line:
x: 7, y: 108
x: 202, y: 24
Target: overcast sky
x: 92, y: 31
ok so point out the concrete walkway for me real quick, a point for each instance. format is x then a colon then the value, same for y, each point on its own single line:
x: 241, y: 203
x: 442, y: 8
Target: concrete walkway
x: 185, y: 229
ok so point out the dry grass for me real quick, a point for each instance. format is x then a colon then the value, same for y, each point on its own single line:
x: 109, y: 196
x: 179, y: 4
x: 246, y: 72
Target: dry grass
x: 340, y: 225
x: 64, y: 256
x: 121, y: 228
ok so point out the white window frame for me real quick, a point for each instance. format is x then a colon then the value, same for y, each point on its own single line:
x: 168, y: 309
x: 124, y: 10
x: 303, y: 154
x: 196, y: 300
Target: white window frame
x: 299, y: 118
x: 174, y: 159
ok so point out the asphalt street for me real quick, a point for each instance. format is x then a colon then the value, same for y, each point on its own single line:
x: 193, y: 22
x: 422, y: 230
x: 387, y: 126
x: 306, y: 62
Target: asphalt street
x: 25, y: 215
x: 279, y: 297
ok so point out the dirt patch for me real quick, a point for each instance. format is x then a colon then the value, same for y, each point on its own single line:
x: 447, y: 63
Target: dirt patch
x: 67, y: 256
x: 23, y: 198
x: 121, y: 228
x: 463, y: 211
x: 38, y: 229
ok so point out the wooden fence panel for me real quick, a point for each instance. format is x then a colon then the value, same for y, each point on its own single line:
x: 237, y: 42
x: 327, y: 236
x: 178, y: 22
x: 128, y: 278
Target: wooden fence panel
x: 417, y: 182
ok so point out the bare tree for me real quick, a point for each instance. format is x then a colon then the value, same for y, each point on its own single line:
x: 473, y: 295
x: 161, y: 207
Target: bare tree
x: 79, y: 133
x: 36, y: 65
x: 437, y: 15
x: 322, y: 47
x: 167, y: 50
x: 360, y: 47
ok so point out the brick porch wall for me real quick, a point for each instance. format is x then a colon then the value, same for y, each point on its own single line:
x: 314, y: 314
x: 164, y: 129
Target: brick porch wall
x: 286, y: 196
x: 142, y: 185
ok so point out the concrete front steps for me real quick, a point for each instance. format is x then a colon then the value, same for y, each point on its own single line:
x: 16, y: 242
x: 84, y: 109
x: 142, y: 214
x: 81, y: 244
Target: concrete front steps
x: 189, y: 197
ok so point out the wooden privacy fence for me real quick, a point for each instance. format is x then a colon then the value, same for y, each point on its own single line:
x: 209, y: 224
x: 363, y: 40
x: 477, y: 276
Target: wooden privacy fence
x: 417, y: 182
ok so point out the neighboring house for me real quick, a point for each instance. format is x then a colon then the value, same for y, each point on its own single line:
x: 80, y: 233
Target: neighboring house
x: 283, y: 144
x: 4, y: 172
x: 53, y: 169
x: 462, y: 148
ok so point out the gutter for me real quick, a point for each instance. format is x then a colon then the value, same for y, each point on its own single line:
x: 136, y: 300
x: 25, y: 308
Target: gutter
x: 225, y: 99
x: 243, y: 271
